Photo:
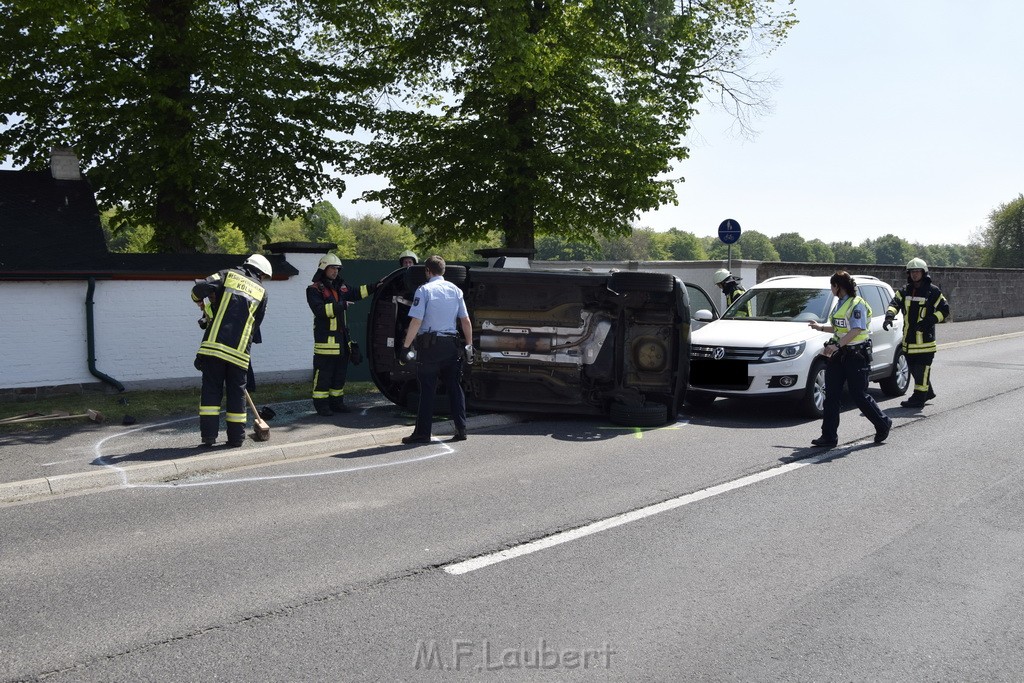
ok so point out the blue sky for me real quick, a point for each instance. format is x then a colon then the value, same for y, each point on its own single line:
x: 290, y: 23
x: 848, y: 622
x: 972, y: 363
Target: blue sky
x: 891, y: 116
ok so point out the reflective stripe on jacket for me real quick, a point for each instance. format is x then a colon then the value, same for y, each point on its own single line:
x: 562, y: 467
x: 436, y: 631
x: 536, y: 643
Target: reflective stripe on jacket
x: 840, y: 320
x: 922, y: 307
x: 328, y: 301
x: 239, y: 304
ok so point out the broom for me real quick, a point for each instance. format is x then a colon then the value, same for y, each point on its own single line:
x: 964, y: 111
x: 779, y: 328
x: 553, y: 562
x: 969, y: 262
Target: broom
x: 262, y: 429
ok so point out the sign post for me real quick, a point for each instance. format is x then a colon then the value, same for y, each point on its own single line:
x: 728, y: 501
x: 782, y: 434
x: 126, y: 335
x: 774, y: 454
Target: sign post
x: 729, y: 233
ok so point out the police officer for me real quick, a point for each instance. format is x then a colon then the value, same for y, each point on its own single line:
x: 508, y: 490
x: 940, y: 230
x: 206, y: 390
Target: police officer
x: 328, y: 297
x: 923, y: 306
x: 432, y: 326
x: 729, y: 284
x: 849, y: 361
x: 234, y: 302
x: 407, y: 258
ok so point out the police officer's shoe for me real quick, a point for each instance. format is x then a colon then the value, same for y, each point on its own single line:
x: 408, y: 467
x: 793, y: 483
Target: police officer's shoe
x: 458, y: 436
x: 822, y: 442
x: 207, y: 443
x: 883, y: 432
x: 415, y: 438
x: 235, y: 444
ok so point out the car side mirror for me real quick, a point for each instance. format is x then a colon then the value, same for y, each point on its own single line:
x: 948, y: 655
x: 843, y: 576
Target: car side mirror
x: 703, y: 315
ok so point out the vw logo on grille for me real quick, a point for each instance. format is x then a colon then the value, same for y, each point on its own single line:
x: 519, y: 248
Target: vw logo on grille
x: 718, y: 353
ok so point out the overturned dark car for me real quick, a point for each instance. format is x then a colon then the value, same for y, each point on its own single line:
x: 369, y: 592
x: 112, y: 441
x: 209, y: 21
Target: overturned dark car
x: 557, y: 342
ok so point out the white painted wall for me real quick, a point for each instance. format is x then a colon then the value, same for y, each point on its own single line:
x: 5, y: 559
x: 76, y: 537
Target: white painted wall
x: 146, y: 331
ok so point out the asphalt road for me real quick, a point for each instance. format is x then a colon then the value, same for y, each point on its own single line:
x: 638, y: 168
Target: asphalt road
x: 766, y: 560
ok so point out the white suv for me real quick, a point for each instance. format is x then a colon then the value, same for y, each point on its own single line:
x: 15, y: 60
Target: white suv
x: 774, y: 354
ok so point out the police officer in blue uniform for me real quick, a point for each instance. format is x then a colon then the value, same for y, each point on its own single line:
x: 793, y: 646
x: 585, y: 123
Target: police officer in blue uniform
x: 437, y: 307
x: 849, y: 361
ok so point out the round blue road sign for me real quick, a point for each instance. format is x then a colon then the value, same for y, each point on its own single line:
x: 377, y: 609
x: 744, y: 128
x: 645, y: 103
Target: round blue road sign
x: 729, y: 231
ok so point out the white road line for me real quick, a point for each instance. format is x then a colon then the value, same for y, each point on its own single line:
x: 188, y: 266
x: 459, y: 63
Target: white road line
x: 979, y: 340
x: 482, y: 561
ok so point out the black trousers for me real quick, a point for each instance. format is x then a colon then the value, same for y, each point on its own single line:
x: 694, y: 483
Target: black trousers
x: 220, y: 377
x: 329, y: 376
x: 851, y: 369
x: 442, y: 359
x: 921, y: 370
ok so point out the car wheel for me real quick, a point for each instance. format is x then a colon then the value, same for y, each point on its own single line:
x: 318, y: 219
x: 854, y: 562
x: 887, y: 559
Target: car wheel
x: 643, y: 282
x: 647, y: 415
x: 898, y: 382
x: 455, y: 275
x: 701, y: 401
x: 813, y: 402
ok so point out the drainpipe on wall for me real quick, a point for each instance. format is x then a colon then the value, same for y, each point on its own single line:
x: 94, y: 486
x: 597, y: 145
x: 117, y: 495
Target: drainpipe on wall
x: 90, y: 334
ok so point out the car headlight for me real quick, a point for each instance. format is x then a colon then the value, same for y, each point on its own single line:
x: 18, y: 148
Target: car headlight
x: 779, y: 353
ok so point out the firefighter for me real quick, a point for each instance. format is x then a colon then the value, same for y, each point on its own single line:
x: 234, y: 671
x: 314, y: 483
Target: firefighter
x: 923, y: 305
x: 328, y: 296
x: 729, y: 284
x: 233, y: 302
x: 407, y: 258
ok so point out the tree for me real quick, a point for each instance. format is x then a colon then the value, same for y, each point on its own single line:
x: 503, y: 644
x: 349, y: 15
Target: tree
x: 545, y: 117
x: 846, y: 253
x: 892, y: 249
x: 1003, y: 238
x: 683, y: 246
x: 792, y: 247
x: 186, y: 113
x: 555, y: 248
x: 376, y: 239
x: 758, y: 247
x: 820, y: 252
x: 639, y: 245
x: 319, y: 220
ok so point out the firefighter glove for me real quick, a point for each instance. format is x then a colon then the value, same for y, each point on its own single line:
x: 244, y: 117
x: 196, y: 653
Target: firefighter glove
x: 888, y: 322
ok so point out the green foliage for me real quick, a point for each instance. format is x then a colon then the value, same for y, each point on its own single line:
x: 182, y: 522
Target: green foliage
x: 757, y: 246
x: 287, y: 230
x: 543, y: 118
x: 228, y: 239
x: 126, y: 238
x: 378, y: 240
x: 792, y: 247
x: 186, y: 113
x: 639, y: 245
x: 1003, y: 239
x: 319, y: 220
x: 890, y: 249
x: 848, y: 254
x: 683, y: 246
x: 820, y: 252
x: 462, y: 250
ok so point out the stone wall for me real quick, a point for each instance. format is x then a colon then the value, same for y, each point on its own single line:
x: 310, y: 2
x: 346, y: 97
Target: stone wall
x: 973, y: 293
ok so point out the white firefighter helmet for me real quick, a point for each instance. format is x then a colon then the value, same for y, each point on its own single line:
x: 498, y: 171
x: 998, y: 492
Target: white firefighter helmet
x: 408, y: 253
x: 260, y: 263
x: 721, y: 275
x: 917, y: 264
x: 329, y: 260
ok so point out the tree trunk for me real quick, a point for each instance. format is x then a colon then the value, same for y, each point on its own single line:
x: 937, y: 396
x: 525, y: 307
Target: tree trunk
x: 170, y: 68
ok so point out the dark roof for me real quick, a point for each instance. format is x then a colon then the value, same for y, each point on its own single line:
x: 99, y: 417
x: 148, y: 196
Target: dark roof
x: 46, y: 224
x: 51, y: 228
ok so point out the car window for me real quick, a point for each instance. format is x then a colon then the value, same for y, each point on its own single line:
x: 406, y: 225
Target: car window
x: 801, y: 305
x: 699, y: 300
x: 874, y: 296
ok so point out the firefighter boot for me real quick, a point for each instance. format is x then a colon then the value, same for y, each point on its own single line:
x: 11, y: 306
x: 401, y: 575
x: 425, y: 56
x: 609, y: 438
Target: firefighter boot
x: 916, y: 400
x: 322, y: 407
x: 337, y: 404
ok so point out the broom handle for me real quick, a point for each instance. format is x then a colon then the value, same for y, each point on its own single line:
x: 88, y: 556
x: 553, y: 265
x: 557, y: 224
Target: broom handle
x: 252, y: 405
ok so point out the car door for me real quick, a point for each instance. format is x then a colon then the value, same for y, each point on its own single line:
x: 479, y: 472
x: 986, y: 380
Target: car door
x: 699, y: 300
x: 883, y: 343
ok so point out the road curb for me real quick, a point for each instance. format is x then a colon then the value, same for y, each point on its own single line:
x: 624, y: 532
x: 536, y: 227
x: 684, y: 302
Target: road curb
x: 115, y: 476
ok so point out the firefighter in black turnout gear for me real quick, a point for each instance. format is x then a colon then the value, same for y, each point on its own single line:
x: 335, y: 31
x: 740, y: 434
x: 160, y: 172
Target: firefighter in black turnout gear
x: 923, y: 306
x: 234, y: 302
x: 730, y: 286
x: 328, y: 296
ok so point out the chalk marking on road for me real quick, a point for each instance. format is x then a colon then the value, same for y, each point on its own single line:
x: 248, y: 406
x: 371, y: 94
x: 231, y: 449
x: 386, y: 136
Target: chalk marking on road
x: 446, y: 450
x: 97, y: 449
x: 466, y: 566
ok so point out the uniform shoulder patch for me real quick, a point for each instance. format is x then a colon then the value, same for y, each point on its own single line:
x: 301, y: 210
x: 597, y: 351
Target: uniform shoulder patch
x: 416, y: 301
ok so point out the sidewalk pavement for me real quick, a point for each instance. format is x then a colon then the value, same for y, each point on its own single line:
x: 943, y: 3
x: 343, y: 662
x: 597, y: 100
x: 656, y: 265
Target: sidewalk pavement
x: 87, y: 456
